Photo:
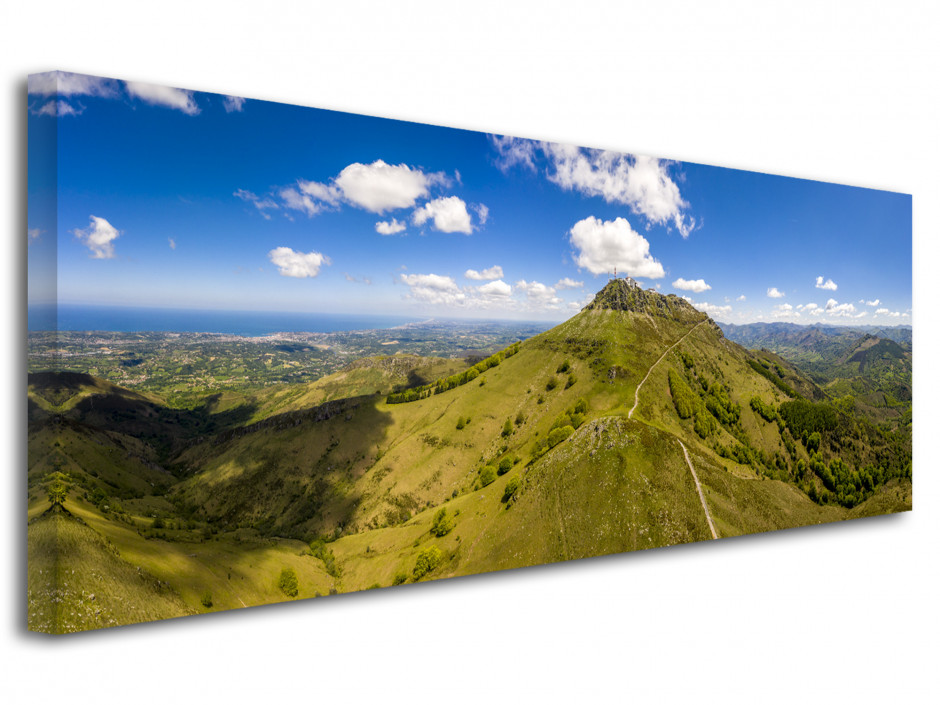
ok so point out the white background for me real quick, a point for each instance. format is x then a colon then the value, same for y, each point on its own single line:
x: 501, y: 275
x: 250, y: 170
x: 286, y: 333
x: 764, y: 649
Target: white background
x: 836, y: 91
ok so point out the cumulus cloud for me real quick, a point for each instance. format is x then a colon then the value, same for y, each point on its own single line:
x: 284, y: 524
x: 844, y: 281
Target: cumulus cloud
x: 513, y: 151
x: 54, y: 108
x: 433, y: 289
x: 233, y: 104
x: 874, y: 303
x: 494, y: 272
x: 389, y: 227
x: 828, y: 284
x: 538, y: 294
x: 293, y: 200
x: 568, y: 283
x: 483, y: 213
x: 379, y: 187
x: 168, y: 97
x: 448, y: 215
x: 498, y: 289
x: 641, y: 183
x: 98, y: 237
x: 262, y: 204
x: 785, y: 311
x: 742, y: 297
x: 601, y: 246
x: 70, y: 84
x: 326, y: 193
x: 774, y: 293
x: 696, y: 285
x: 711, y: 309
x: 297, y: 264
x: 834, y: 308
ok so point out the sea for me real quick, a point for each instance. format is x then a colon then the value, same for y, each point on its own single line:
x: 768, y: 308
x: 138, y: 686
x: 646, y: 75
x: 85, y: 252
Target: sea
x: 124, y: 319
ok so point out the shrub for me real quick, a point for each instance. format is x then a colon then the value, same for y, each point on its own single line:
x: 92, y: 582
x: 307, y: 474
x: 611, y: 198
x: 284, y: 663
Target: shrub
x: 510, y: 489
x: 207, y: 599
x: 288, y: 582
x: 400, y: 578
x: 580, y: 407
x: 441, y: 524
x: 460, y: 422
x: 429, y: 559
x: 551, y: 384
x: 504, y: 466
x: 487, y: 475
x: 572, y: 380
x: 558, y: 435
x: 563, y: 367
x: 520, y: 419
x: 507, y: 428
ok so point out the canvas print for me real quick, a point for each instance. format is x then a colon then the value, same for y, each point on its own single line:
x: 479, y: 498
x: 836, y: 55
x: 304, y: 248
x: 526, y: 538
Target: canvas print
x: 278, y: 353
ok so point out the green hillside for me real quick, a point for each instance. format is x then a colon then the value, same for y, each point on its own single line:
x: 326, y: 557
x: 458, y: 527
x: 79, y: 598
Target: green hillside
x: 401, y: 469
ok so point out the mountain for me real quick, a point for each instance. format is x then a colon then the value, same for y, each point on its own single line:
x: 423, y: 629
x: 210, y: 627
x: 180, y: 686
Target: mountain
x: 634, y: 424
x: 868, y: 368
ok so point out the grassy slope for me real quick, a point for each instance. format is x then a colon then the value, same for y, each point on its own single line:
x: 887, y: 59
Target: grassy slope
x: 376, y: 473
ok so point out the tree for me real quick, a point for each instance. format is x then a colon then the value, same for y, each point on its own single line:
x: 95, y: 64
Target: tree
x: 507, y: 428
x: 460, y: 422
x: 504, y: 466
x: 288, y: 582
x: 510, y: 490
x: 429, y: 559
x: 442, y: 523
x: 487, y: 475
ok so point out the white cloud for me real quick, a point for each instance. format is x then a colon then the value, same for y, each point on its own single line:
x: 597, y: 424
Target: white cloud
x: 774, y: 293
x: 69, y: 84
x: 155, y: 94
x: 483, y: 213
x: 262, y: 204
x: 98, y: 237
x: 172, y: 243
x: 32, y: 234
x: 58, y: 108
x: 874, y: 303
x: 512, y: 151
x: 389, y: 227
x: 603, y: 246
x: 811, y: 307
x: 449, y: 215
x: 881, y: 311
x: 538, y: 294
x: 696, y: 285
x: 294, y: 200
x: 642, y: 183
x: 434, y: 289
x: 742, y: 297
x: 568, y: 283
x: 326, y: 193
x: 785, y: 311
x: 494, y: 272
x: 297, y: 264
x: 379, y: 187
x: 834, y: 308
x: 498, y: 288
x: 350, y: 278
x: 710, y: 309
x: 233, y: 104
x: 828, y: 285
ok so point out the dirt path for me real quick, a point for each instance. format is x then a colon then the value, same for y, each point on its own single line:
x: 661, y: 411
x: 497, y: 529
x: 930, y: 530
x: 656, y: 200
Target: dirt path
x: 636, y: 394
x: 701, y: 495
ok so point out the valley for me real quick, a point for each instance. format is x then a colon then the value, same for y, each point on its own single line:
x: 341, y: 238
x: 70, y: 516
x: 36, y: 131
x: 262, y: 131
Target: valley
x: 278, y: 470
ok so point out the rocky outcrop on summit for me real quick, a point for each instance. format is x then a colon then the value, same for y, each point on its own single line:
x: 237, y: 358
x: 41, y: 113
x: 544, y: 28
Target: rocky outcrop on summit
x: 626, y: 295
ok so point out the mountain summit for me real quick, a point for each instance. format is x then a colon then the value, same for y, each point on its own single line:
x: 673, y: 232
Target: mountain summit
x: 626, y: 295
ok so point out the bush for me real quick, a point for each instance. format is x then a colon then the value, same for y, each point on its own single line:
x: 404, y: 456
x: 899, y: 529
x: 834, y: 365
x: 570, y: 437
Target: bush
x: 520, y: 419
x: 510, y: 489
x: 551, y: 384
x: 288, y: 582
x: 563, y: 367
x: 460, y: 422
x: 441, y: 524
x: 504, y: 466
x: 400, y: 578
x: 487, y: 475
x: 207, y: 599
x: 507, y: 428
x: 428, y: 560
x: 558, y: 435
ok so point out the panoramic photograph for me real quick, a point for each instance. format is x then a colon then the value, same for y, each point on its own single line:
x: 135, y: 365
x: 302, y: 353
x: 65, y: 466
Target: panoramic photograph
x: 278, y: 352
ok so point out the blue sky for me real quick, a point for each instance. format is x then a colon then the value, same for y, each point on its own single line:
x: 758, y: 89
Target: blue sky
x: 173, y: 198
